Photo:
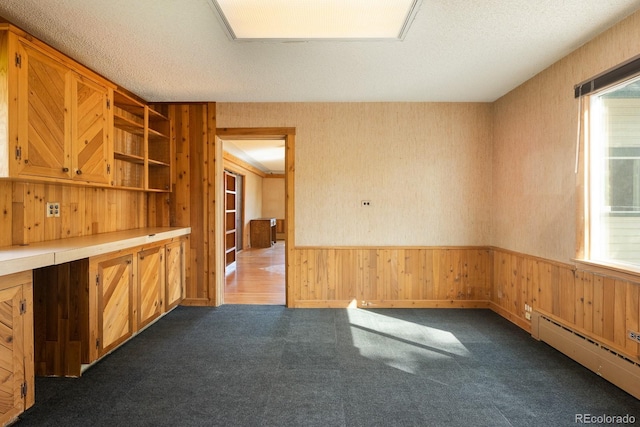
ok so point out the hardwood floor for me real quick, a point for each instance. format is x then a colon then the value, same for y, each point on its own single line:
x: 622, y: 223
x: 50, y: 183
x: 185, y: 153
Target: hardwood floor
x: 258, y: 277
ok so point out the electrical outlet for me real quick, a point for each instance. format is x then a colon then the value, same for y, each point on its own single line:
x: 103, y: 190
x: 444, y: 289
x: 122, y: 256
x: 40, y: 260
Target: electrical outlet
x: 527, y: 315
x: 365, y: 203
x: 53, y: 209
x: 634, y: 336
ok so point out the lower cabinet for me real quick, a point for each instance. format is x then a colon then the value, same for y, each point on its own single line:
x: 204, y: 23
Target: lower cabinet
x: 175, y: 270
x: 87, y: 308
x: 151, y: 283
x: 16, y: 346
x: 114, y: 294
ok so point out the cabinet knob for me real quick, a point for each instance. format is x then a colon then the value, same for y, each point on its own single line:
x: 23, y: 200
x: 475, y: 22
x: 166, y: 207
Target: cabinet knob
x: 65, y: 169
x: 78, y: 172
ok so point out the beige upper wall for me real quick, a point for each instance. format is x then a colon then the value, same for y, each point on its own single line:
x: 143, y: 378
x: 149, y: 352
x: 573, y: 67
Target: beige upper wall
x: 444, y: 174
x: 425, y: 167
x: 273, y: 200
x: 535, y: 132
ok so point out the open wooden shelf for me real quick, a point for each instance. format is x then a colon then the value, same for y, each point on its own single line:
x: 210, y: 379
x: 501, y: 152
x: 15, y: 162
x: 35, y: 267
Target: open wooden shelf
x: 142, y: 146
x: 128, y: 157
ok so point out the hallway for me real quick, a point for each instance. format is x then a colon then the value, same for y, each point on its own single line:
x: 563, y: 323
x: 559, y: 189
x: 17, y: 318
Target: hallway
x: 259, y: 277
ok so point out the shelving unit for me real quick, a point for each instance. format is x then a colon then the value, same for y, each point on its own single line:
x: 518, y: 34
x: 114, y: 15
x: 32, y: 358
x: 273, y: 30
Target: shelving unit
x: 142, y: 146
x: 230, y: 217
x: 159, y: 152
x: 128, y: 145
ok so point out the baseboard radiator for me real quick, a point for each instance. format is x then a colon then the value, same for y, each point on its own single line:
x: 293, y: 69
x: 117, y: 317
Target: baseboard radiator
x: 609, y: 364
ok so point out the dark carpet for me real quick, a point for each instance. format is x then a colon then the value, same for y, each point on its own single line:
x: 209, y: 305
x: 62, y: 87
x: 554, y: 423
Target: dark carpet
x: 273, y: 366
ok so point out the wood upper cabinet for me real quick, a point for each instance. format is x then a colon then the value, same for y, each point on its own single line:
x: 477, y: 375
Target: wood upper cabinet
x: 150, y: 284
x: 16, y: 346
x: 92, y: 131
x: 63, y: 121
x: 43, y: 144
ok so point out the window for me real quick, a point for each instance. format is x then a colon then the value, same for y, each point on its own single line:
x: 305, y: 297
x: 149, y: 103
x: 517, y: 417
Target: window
x: 613, y: 186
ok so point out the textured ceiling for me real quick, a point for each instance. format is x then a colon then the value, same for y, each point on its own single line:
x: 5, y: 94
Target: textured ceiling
x: 456, y: 50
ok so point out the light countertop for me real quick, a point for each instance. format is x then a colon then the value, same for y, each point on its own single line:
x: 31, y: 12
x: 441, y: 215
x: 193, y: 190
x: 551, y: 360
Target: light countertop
x: 14, y: 259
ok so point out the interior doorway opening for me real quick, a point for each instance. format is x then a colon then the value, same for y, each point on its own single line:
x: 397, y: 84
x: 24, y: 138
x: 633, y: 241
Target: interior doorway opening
x: 258, y: 202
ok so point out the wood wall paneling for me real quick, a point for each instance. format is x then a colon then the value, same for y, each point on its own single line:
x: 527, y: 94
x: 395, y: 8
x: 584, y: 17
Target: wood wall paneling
x: 603, y: 308
x: 192, y: 202
x: 84, y: 211
x: 391, y: 277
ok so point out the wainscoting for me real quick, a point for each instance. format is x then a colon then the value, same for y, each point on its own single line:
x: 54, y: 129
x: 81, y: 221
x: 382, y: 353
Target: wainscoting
x: 390, y: 277
x: 600, y: 306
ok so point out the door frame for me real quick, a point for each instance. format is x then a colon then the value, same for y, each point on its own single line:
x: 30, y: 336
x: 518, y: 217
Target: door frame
x: 289, y: 136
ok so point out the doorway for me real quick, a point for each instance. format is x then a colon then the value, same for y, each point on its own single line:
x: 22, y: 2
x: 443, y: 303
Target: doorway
x: 259, y: 274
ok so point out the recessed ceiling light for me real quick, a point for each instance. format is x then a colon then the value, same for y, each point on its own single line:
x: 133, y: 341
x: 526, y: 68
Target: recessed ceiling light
x: 316, y: 19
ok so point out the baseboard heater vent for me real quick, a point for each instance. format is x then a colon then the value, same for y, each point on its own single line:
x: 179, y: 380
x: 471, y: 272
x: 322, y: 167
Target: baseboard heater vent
x: 604, y: 361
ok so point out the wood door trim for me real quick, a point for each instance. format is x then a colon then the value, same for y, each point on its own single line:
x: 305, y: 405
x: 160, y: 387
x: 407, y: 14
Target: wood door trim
x: 288, y: 134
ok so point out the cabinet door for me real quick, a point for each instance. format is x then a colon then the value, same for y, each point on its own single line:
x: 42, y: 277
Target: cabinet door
x: 175, y: 274
x: 115, y: 302
x: 13, y: 355
x: 43, y: 130
x: 150, y: 284
x: 91, y: 142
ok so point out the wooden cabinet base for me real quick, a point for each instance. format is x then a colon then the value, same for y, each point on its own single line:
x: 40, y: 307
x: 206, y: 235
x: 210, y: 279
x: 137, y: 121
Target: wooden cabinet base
x: 85, y: 309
